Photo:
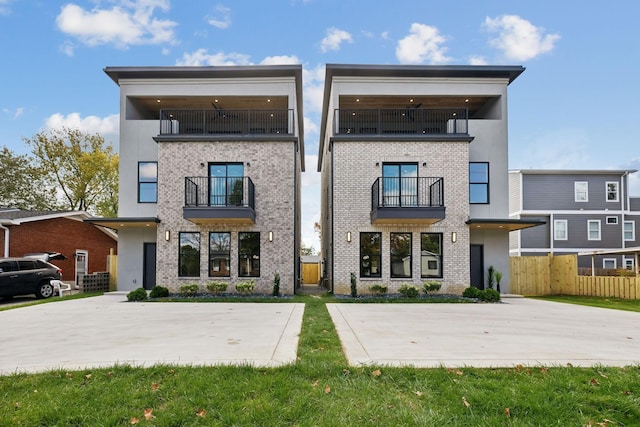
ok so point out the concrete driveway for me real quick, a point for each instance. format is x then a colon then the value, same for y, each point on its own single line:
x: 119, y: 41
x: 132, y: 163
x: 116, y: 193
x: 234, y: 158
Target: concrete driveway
x: 517, y: 331
x: 104, y: 331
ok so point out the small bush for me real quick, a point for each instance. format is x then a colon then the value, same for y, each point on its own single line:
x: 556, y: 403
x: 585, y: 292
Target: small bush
x: 408, y: 291
x: 471, y: 292
x: 245, y: 287
x: 159, y: 292
x: 378, y: 289
x: 217, y: 287
x: 490, y: 295
x: 276, y: 285
x: 139, y: 294
x: 431, y: 286
x: 189, y: 289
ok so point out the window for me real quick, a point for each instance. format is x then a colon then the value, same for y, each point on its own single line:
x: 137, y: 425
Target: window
x: 431, y: 255
x: 370, y: 250
x: 219, y: 254
x: 479, y: 182
x: 612, y: 191
x: 612, y: 220
x: 581, y: 191
x: 189, y: 257
x: 629, y: 231
x: 609, y: 263
x: 593, y: 227
x: 629, y: 263
x: 249, y: 254
x: 400, y: 254
x: 147, y: 182
x: 560, y: 229
x: 226, y: 184
x: 400, y: 184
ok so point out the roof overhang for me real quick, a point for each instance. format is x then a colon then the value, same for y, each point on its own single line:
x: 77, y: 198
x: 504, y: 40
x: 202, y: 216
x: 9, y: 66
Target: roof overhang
x: 125, y: 222
x: 503, y: 224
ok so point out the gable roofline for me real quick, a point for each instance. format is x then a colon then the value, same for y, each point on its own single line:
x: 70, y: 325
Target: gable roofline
x: 510, y: 72
x: 117, y: 74
x: 17, y: 217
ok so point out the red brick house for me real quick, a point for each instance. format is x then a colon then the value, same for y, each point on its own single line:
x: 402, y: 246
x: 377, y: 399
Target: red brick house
x: 85, y: 245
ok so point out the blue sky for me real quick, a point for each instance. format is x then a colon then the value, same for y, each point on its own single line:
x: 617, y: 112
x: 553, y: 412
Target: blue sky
x: 574, y: 107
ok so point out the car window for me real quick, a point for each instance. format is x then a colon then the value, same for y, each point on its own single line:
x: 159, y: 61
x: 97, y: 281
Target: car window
x: 26, y: 265
x: 7, y: 266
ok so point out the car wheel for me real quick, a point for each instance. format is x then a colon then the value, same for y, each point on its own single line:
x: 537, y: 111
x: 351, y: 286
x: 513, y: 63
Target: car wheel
x: 45, y: 290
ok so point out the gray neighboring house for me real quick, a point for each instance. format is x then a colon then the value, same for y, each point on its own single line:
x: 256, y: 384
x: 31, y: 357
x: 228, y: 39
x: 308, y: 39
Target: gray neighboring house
x: 414, y: 175
x: 585, y: 211
x: 210, y: 165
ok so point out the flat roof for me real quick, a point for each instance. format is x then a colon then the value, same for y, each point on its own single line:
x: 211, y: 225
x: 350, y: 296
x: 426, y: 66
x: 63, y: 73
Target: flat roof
x: 573, y: 171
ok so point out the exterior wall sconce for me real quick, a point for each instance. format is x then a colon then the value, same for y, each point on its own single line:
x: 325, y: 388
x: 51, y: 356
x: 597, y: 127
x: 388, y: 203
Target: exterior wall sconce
x: 377, y: 164
x: 167, y: 235
x: 271, y: 236
x: 454, y: 237
x: 424, y: 163
x: 348, y: 236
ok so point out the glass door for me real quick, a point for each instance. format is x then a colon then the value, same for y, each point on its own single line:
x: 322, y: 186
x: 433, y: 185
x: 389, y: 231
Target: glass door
x: 226, y: 184
x: 400, y: 184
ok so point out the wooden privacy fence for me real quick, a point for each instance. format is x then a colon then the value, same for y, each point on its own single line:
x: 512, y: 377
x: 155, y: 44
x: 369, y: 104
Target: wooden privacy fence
x: 558, y: 275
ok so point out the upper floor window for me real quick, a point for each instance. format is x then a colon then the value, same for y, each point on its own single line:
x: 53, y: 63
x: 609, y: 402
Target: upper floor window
x: 629, y: 231
x: 581, y: 191
x: 219, y: 254
x: 431, y: 255
x: 189, y: 255
x: 479, y: 182
x: 400, y: 254
x: 400, y: 184
x: 147, y: 182
x: 560, y: 229
x: 612, y: 220
x: 226, y: 184
x: 612, y: 191
x: 593, y: 229
x: 370, y: 250
x: 249, y: 254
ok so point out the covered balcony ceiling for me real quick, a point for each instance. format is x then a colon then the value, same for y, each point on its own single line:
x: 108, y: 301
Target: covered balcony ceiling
x: 472, y: 103
x: 152, y: 105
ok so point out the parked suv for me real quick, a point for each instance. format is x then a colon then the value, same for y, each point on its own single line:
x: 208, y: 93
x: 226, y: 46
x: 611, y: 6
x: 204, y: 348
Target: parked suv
x: 23, y: 276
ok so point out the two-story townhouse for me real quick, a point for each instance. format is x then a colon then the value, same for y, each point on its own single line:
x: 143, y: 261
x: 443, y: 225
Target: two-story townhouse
x: 210, y: 165
x: 413, y: 163
x: 586, y: 211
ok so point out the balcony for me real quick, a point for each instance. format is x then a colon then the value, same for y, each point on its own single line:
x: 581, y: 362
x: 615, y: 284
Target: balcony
x: 210, y: 200
x: 408, y: 200
x: 401, y: 121
x: 226, y: 122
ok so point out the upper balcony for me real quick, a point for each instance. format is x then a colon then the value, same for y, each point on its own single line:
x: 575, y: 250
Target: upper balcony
x: 223, y: 122
x: 407, y: 200
x: 401, y: 121
x: 209, y: 199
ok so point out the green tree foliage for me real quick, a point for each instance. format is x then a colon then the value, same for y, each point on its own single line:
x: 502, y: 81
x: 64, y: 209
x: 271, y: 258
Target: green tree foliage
x: 22, y: 185
x: 81, y: 166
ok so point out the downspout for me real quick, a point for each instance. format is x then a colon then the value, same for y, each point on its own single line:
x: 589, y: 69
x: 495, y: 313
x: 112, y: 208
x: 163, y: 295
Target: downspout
x: 6, y: 240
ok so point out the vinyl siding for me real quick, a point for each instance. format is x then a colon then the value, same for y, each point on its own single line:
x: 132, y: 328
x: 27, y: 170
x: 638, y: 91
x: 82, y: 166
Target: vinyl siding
x: 556, y: 192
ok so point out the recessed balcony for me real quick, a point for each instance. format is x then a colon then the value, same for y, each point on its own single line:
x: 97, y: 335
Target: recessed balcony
x: 407, y: 200
x: 401, y: 121
x: 221, y: 122
x: 209, y: 200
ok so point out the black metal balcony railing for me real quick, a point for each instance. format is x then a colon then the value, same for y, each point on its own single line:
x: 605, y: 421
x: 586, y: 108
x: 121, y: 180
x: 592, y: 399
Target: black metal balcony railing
x: 232, y: 191
x: 421, y: 192
x: 226, y: 122
x: 400, y: 121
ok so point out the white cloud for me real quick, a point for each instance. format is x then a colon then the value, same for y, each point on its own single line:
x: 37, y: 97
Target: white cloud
x: 224, y: 21
x: 566, y: 148
x: 518, y: 39
x: 19, y: 111
x: 313, y: 80
x: 310, y: 201
x: 4, y: 7
x: 334, y: 39
x: 127, y: 23
x: 477, y: 60
x: 109, y: 125
x: 423, y: 44
x: 202, y: 57
x: 280, y: 60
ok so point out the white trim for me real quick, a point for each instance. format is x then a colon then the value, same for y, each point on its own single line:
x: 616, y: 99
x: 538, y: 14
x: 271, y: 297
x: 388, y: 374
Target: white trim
x: 572, y: 212
x: 615, y: 222
x: 605, y: 260
x: 628, y: 263
x: 80, y: 214
x: 594, y: 221
x: 555, y: 229
x: 606, y: 191
x: 586, y: 191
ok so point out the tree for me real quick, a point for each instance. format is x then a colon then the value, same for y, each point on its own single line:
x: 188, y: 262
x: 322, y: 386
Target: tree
x: 81, y: 166
x: 307, y: 250
x: 22, y: 185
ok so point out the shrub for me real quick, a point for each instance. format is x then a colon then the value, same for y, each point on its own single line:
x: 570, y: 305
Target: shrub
x: 431, y: 286
x: 276, y: 285
x: 189, y: 289
x: 408, y: 291
x: 378, y: 289
x: 245, y: 287
x: 139, y: 294
x: 471, y: 292
x: 490, y: 295
x: 217, y: 287
x: 159, y: 292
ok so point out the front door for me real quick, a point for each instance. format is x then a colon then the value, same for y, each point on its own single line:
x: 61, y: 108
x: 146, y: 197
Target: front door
x: 477, y: 266
x: 149, y: 268
x: 82, y: 264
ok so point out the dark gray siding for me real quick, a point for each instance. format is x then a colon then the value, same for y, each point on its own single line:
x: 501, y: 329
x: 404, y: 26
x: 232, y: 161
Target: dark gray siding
x: 556, y: 192
x: 535, y: 237
x: 577, y: 228
x: 635, y: 203
x: 636, y: 220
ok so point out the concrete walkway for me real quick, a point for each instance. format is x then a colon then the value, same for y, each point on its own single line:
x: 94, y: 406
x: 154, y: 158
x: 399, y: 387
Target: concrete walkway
x: 104, y: 331
x: 517, y: 331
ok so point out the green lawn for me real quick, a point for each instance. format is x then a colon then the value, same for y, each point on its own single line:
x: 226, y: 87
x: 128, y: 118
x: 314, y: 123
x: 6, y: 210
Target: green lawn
x: 322, y: 390
x: 615, y: 303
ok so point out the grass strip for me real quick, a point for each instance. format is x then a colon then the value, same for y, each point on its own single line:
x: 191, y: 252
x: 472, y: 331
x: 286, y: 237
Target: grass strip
x: 602, y: 302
